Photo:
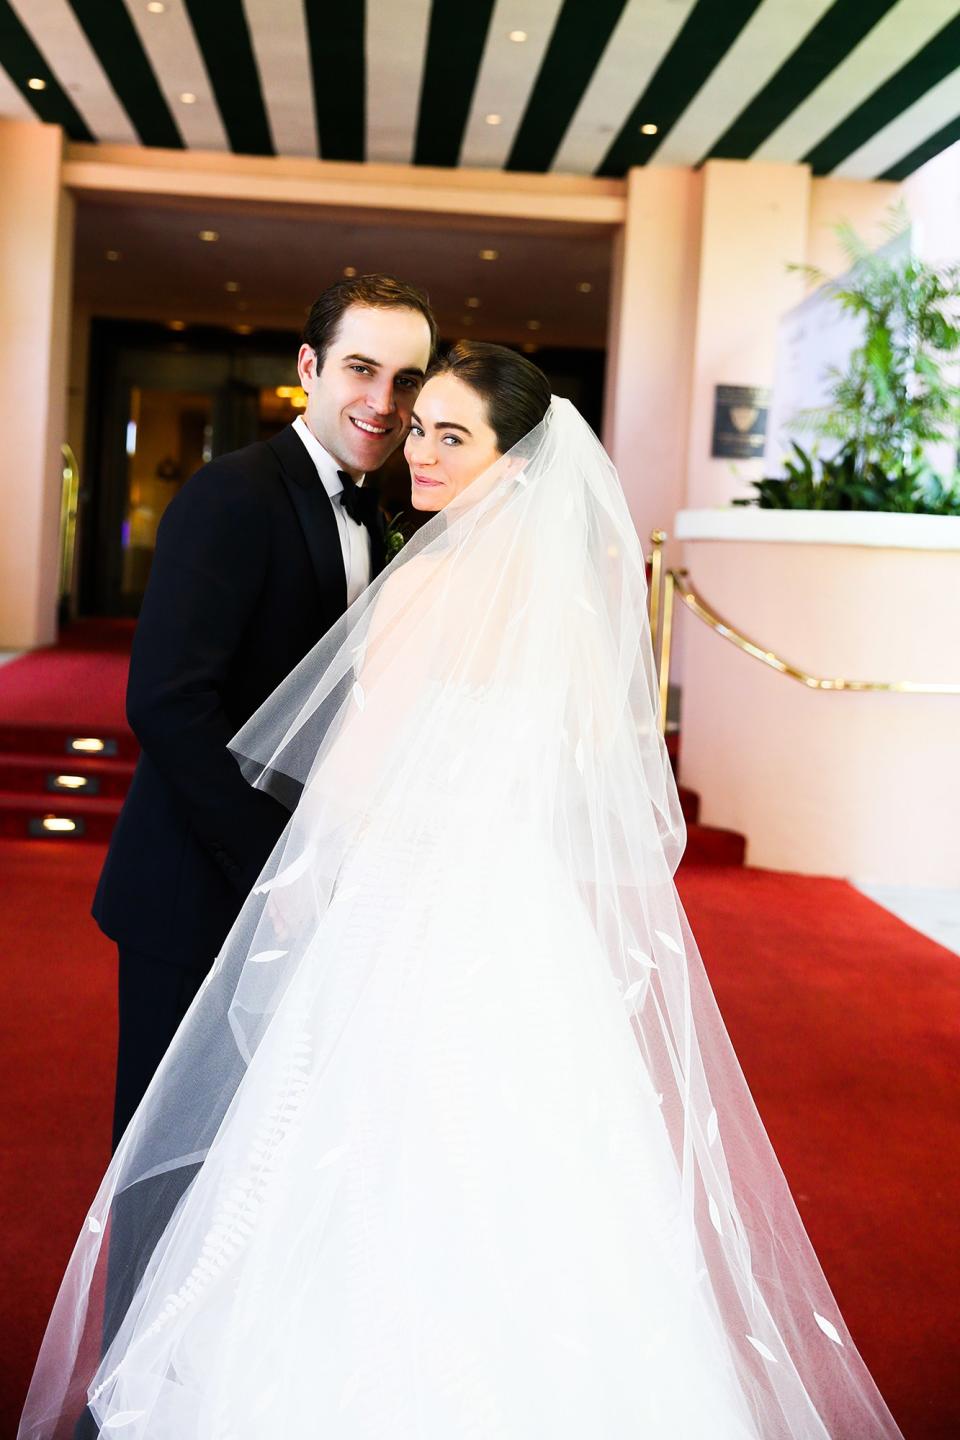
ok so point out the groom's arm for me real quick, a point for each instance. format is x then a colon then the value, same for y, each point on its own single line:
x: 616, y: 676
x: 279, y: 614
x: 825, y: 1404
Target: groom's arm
x: 208, y: 570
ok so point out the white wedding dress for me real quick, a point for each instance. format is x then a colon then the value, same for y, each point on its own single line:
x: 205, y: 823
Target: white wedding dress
x: 464, y: 1149
x: 444, y: 1201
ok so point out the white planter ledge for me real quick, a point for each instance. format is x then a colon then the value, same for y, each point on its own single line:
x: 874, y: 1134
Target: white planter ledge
x: 875, y: 528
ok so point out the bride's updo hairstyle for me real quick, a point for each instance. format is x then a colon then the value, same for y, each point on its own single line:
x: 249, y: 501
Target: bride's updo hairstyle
x: 516, y: 393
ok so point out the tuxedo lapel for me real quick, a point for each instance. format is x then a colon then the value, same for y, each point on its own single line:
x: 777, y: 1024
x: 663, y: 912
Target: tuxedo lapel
x: 315, y: 512
x: 377, y: 530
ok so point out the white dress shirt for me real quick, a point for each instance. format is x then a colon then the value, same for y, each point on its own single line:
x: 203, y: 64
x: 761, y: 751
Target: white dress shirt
x: 354, y: 538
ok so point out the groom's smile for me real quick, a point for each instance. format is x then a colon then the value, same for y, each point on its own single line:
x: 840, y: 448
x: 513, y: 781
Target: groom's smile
x: 369, y: 428
x: 361, y: 392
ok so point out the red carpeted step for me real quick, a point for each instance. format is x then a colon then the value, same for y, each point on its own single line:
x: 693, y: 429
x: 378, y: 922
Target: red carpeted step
x: 53, y: 741
x: 707, y: 845
x: 21, y: 817
x: 689, y: 804
x: 103, y: 636
x: 37, y: 775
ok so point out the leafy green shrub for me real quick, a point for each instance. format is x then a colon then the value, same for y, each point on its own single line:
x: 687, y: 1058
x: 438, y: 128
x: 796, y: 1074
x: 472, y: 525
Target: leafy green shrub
x: 841, y: 483
x: 896, y: 397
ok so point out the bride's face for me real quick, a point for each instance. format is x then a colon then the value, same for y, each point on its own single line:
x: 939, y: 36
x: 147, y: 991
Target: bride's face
x: 450, y: 442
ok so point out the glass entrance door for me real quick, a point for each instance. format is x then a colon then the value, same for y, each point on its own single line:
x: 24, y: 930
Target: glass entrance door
x: 160, y: 405
x: 169, y: 435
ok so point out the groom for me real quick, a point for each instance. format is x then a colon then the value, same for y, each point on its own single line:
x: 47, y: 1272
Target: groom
x: 257, y: 556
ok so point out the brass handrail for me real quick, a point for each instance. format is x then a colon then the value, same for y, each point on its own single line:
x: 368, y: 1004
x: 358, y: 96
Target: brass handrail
x: 69, y: 499
x: 661, y: 611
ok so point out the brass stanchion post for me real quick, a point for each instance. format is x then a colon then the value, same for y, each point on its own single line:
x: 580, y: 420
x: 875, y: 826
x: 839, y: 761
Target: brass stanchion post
x: 657, y: 538
x: 665, y: 641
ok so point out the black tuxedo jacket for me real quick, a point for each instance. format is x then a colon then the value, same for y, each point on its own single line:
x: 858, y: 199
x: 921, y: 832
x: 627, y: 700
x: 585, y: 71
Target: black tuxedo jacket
x: 247, y: 576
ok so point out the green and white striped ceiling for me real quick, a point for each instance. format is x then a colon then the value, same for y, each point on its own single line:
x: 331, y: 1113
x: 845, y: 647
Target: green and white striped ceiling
x: 860, y: 88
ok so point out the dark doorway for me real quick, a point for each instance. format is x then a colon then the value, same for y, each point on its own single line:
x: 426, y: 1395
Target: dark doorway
x: 162, y: 402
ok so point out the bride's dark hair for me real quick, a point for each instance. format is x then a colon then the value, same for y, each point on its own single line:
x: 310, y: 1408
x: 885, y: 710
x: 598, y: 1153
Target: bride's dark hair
x: 516, y: 393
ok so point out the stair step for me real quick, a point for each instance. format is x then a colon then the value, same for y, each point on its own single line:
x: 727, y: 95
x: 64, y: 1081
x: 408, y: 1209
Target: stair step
x: 53, y: 741
x: 689, y: 804
x: 34, y: 774
x: 707, y: 845
x: 21, y: 816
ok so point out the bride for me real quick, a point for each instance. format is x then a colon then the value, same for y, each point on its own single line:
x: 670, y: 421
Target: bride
x: 453, y: 1142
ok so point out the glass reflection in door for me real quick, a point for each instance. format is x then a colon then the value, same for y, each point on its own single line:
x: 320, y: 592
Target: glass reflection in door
x: 169, y: 434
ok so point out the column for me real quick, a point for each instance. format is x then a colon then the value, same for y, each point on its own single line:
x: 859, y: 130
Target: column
x: 36, y: 261
x: 755, y: 222
x: 650, y: 345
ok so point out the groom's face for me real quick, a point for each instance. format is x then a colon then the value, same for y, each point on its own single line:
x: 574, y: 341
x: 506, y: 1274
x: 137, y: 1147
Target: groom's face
x: 360, y: 400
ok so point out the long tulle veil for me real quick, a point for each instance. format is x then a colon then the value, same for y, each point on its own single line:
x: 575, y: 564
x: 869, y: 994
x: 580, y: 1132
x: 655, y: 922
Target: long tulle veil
x: 496, y: 678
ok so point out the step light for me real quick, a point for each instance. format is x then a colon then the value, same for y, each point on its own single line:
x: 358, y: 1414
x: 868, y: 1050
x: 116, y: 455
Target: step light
x: 90, y: 745
x: 87, y: 783
x: 55, y: 825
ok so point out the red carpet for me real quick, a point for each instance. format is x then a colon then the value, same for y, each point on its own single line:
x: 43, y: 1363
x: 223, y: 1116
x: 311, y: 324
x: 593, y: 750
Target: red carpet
x: 83, y: 677
x: 844, y: 1020
x: 48, y: 698
x: 58, y: 1049
x: 840, y: 1014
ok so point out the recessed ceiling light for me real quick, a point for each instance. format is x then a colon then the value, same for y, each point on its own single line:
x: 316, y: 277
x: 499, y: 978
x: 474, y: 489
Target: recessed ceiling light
x: 112, y: 254
x: 649, y: 129
x: 517, y: 36
x: 178, y: 325
x: 232, y: 285
x: 584, y: 287
x: 156, y: 7
x: 349, y: 271
x: 489, y: 254
x: 58, y: 824
x: 529, y: 348
x: 209, y: 235
x: 243, y: 329
x: 493, y: 119
x: 533, y: 324
x: 187, y: 97
x: 472, y: 302
x: 36, y: 83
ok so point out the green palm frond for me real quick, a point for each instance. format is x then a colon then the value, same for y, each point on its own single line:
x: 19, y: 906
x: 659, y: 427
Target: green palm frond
x: 898, y: 393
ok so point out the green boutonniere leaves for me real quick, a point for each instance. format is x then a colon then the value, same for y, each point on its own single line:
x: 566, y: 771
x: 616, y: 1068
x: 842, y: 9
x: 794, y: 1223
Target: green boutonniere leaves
x: 395, y: 539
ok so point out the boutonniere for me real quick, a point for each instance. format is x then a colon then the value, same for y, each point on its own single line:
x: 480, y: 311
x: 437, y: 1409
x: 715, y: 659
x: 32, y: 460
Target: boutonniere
x: 394, y: 539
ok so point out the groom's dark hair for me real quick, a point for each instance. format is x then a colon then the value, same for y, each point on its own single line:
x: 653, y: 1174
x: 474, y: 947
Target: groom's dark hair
x: 377, y: 292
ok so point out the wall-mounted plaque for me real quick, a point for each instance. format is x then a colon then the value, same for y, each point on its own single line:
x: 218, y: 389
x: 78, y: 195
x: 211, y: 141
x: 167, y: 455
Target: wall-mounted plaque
x: 739, y: 421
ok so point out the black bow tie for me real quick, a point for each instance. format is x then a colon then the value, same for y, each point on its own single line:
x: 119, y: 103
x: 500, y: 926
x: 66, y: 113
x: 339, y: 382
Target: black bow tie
x: 353, y: 498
